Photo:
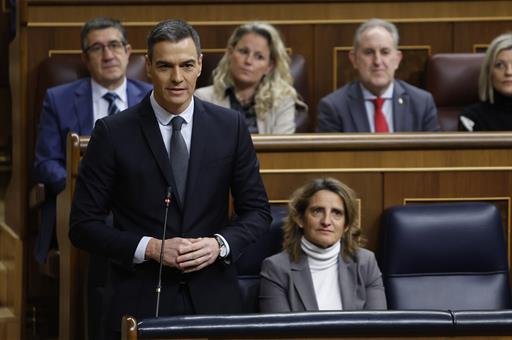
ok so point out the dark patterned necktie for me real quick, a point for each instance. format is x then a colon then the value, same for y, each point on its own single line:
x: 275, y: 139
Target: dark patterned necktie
x: 111, y: 97
x: 179, y: 156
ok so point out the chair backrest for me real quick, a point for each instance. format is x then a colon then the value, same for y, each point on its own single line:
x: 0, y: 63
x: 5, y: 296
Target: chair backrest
x: 479, y: 321
x: 444, y: 256
x: 267, y: 245
x: 303, y: 325
x: 249, y: 264
x: 298, y: 71
x: 452, y: 78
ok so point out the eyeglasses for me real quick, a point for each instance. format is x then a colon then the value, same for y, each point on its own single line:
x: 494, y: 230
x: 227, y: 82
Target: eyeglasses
x: 114, y: 47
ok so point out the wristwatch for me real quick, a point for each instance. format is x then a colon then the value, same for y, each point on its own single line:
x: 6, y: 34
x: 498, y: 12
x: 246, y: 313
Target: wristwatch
x: 222, y: 247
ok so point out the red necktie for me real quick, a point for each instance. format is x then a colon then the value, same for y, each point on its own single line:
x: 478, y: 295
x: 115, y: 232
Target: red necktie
x: 380, y: 121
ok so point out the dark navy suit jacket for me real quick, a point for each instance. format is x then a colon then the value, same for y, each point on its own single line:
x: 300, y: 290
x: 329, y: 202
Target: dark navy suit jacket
x: 344, y: 111
x: 127, y: 170
x: 66, y: 108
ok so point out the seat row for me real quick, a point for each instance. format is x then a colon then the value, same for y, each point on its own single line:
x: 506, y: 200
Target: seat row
x: 452, y: 78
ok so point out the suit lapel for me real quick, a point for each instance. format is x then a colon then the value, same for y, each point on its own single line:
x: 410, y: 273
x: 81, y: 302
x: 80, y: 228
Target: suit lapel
x: 83, y: 107
x: 400, y: 108
x: 304, y: 283
x: 357, y: 108
x: 197, y: 146
x: 347, y: 280
x: 151, y: 132
x: 135, y: 95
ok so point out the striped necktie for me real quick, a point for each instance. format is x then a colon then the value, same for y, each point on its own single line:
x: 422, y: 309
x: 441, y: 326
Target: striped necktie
x: 111, y: 97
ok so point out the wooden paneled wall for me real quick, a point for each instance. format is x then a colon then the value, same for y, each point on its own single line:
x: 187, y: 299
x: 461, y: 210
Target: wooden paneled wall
x: 388, y: 170
x: 11, y: 281
x: 11, y: 247
x: 5, y: 36
x: 5, y: 96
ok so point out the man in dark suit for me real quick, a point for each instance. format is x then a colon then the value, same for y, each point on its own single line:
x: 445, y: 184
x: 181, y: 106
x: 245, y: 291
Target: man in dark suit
x: 377, y: 102
x: 75, y: 106
x: 130, y: 166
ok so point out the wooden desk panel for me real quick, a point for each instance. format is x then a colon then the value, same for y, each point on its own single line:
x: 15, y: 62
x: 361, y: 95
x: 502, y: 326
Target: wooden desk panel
x: 387, y: 170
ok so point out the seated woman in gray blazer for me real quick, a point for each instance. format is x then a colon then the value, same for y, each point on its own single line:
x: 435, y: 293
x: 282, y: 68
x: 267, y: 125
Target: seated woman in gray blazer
x: 322, y: 266
x: 253, y: 77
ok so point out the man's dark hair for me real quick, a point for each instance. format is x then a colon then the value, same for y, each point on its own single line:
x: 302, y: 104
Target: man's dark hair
x: 100, y: 23
x: 172, y: 30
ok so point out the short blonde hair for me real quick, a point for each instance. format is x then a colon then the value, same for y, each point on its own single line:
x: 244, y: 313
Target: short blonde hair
x: 299, y: 202
x: 274, y: 86
x: 485, y: 86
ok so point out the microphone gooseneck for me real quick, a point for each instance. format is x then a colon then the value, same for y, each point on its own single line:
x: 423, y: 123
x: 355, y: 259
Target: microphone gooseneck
x: 167, y: 203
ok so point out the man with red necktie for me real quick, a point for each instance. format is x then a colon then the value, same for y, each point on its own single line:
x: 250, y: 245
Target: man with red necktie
x: 377, y: 102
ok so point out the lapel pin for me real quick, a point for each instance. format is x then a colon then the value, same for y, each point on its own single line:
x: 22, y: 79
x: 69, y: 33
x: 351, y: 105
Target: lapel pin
x: 400, y: 101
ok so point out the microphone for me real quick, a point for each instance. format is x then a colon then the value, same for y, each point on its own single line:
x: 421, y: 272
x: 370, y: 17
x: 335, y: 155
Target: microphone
x: 167, y: 203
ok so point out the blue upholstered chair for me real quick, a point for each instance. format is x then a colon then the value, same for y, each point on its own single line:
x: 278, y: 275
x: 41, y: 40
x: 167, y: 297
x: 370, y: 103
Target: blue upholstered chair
x: 444, y: 256
x: 249, y: 264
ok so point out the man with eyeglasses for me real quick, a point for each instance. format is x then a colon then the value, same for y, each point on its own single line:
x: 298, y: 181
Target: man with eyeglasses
x: 74, y: 107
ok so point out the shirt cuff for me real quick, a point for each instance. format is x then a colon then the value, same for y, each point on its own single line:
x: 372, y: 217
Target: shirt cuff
x: 140, y: 252
x: 225, y: 242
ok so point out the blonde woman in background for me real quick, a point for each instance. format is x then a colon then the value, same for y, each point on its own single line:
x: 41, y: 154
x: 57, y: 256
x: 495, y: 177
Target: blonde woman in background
x: 253, y: 77
x: 494, y: 110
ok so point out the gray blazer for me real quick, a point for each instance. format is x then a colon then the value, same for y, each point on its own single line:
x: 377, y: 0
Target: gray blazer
x: 287, y: 286
x: 343, y: 110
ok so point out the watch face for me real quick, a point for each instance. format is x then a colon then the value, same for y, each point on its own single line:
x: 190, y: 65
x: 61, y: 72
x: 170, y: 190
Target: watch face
x: 223, y: 251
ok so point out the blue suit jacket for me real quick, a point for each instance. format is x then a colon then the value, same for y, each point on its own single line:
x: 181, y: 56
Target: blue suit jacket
x: 127, y: 170
x: 344, y: 111
x: 66, y: 108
